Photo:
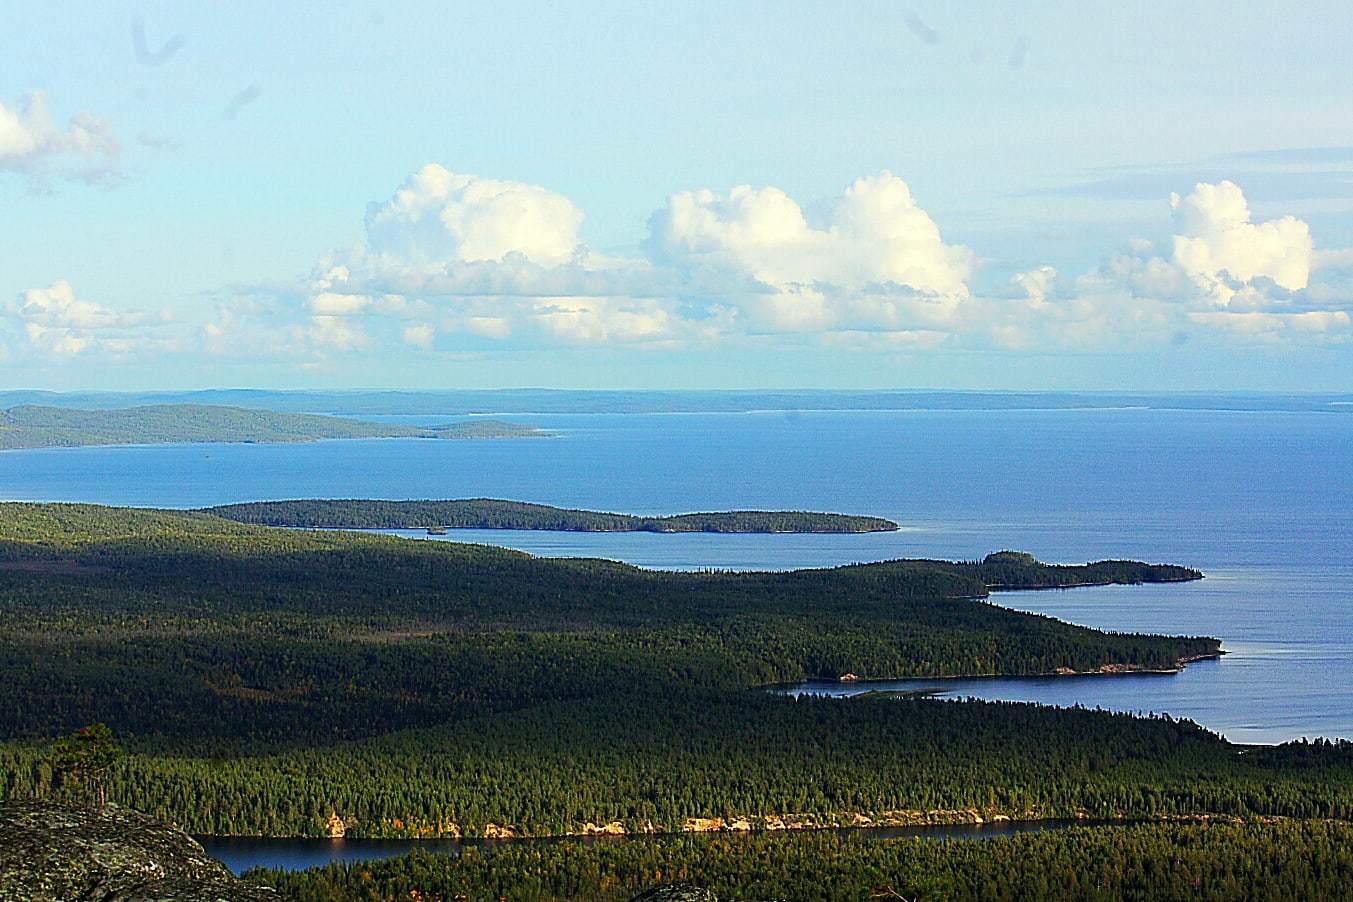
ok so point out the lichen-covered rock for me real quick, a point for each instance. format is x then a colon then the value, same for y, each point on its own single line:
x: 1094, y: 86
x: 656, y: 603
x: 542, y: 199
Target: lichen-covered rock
x: 61, y: 853
x: 676, y: 892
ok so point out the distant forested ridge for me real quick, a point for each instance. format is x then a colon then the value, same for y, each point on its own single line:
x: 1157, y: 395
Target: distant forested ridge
x: 556, y: 401
x: 31, y: 426
x: 489, y: 513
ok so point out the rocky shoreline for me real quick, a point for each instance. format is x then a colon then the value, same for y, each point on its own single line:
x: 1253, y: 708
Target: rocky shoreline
x: 769, y: 823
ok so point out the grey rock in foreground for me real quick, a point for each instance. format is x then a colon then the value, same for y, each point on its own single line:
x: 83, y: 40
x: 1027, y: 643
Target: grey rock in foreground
x: 51, y: 852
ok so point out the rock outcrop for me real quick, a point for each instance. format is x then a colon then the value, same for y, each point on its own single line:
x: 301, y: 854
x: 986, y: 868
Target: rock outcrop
x: 51, y: 852
x: 334, y: 828
x: 612, y: 828
x: 676, y: 892
x: 496, y: 831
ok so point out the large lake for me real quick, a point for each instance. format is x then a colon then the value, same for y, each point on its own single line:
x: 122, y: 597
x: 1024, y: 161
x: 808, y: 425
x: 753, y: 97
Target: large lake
x: 1261, y: 501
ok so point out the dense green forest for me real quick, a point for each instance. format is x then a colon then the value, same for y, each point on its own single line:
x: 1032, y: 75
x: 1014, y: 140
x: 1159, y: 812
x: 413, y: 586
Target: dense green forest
x: 1185, y: 862
x: 654, y: 759
x: 271, y: 681
x: 32, y: 426
x: 490, y: 513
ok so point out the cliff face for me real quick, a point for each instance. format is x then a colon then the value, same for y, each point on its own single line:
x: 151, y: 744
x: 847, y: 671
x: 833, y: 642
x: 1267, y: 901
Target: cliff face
x: 51, y: 852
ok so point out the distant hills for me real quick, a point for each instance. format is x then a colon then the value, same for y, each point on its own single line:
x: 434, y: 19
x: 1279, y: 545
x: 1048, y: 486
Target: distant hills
x: 35, y: 426
x: 534, y: 400
x: 491, y: 513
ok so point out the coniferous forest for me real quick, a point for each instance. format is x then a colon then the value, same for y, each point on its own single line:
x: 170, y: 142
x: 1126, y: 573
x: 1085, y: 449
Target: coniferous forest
x: 275, y: 682
x: 492, y: 513
x: 1288, y: 861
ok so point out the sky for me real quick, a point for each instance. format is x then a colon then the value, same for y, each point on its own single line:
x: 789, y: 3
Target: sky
x: 1140, y: 196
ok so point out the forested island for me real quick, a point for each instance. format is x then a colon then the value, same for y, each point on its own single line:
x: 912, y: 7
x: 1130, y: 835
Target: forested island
x: 289, y: 682
x: 491, y: 513
x: 32, y: 426
x: 485, y: 428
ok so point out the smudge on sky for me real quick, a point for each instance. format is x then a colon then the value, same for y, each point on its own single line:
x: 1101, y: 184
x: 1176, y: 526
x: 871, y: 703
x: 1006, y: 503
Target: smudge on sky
x: 147, y: 57
x: 242, y: 100
x: 922, y: 30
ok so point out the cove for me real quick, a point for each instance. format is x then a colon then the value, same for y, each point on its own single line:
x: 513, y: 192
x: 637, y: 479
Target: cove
x: 1141, y: 693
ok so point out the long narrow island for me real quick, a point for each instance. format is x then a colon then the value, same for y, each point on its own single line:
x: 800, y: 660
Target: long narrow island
x: 35, y: 426
x: 493, y: 513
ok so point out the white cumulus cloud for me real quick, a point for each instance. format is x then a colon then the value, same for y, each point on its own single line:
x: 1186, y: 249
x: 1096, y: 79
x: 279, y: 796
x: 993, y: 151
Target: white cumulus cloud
x: 874, y: 252
x: 439, y: 217
x: 56, y: 306
x: 1218, y: 246
x: 874, y: 233
x: 57, y: 322
x: 31, y: 142
x: 1223, y: 274
x: 488, y: 258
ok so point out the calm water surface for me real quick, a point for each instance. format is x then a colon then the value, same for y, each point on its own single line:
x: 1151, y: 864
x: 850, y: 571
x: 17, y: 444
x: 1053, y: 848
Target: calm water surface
x: 240, y: 853
x: 1261, y: 501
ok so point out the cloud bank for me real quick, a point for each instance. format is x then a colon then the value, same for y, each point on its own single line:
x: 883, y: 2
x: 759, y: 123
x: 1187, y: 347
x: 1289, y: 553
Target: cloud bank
x: 453, y: 254
x: 457, y: 263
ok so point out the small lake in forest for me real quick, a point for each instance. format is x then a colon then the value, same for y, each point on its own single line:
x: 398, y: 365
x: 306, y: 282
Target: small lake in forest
x: 240, y: 853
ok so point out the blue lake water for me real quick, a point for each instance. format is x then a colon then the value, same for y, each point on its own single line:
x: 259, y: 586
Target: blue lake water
x: 240, y: 853
x: 1261, y: 501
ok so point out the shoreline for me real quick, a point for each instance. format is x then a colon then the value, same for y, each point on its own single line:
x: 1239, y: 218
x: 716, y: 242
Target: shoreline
x: 848, y: 679
x: 1164, y: 581
x: 272, y: 441
x: 655, y: 532
x: 898, y: 819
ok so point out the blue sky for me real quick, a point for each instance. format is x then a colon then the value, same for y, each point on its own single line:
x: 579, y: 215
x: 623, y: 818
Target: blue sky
x: 664, y: 195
